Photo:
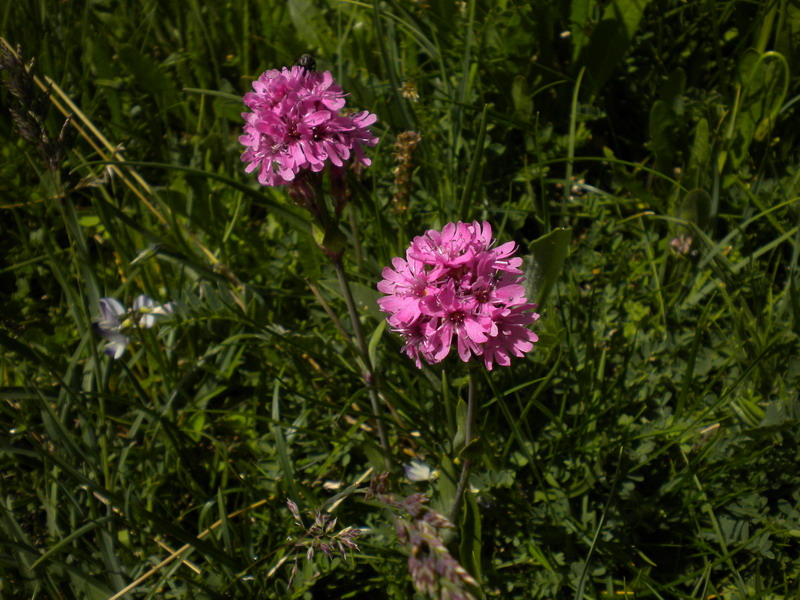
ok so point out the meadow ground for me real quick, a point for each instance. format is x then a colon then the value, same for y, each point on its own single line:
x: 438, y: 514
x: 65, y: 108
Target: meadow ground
x: 642, y: 155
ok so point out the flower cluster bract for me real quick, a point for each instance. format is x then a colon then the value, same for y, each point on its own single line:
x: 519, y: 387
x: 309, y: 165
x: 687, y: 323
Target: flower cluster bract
x: 453, y: 283
x: 295, y: 126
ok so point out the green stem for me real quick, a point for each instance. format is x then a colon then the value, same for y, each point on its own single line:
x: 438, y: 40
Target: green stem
x: 361, y: 343
x: 468, y: 436
x: 571, y: 148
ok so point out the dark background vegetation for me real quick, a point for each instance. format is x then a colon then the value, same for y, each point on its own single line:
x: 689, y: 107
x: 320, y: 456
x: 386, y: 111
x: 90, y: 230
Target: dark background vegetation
x: 647, y: 448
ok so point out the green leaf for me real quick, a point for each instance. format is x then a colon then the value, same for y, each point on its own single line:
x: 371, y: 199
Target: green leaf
x: 696, y: 208
x: 280, y: 443
x: 580, y: 18
x: 610, y: 40
x: 446, y: 485
x: 459, y: 439
x: 146, y: 73
x: 544, y: 266
x: 474, y: 168
x: 374, y: 339
x: 673, y: 89
x: 521, y: 97
x: 764, y: 85
x: 700, y: 156
x: 312, y: 27
x: 471, y: 542
x: 366, y: 300
x: 334, y: 241
x: 662, y: 124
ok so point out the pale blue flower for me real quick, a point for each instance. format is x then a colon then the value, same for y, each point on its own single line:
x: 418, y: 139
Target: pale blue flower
x: 114, y: 318
x: 109, y: 327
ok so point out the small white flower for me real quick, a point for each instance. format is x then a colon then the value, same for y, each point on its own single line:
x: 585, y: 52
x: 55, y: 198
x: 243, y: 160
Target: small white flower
x: 149, y: 310
x: 109, y: 327
x: 418, y: 471
x: 114, y: 318
x: 144, y: 305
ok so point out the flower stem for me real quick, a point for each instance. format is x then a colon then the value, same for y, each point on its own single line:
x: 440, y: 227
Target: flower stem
x: 468, y: 436
x: 361, y: 343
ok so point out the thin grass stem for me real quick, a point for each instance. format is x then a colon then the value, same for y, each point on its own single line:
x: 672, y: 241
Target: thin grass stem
x: 361, y: 342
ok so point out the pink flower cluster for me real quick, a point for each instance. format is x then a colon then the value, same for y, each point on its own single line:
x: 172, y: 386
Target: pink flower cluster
x: 453, y: 283
x: 295, y: 126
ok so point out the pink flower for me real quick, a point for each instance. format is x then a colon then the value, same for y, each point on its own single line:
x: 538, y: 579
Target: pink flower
x: 295, y: 126
x: 454, y: 287
x: 513, y: 335
x: 407, y: 289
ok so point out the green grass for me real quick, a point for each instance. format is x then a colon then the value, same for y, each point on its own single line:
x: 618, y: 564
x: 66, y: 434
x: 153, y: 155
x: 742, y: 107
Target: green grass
x: 647, y: 448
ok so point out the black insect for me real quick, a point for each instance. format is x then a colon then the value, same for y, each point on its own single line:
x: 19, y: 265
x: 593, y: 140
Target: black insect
x: 307, y: 62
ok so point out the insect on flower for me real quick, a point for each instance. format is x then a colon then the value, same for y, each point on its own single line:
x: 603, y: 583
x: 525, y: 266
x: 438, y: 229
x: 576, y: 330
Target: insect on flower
x: 307, y: 62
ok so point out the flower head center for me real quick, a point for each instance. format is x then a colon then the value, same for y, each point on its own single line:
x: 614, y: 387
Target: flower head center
x: 457, y: 317
x: 482, y: 295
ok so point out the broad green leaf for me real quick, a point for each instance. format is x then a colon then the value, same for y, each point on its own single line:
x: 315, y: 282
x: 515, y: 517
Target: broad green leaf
x: 662, y: 124
x: 520, y: 96
x: 459, y: 440
x: 579, y: 17
x: 374, y: 339
x: 447, y: 482
x: 610, y: 40
x: 764, y: 85
x: 280, y: 444
x: 471, y: 536
x: 696, y: 208
x: 311, y: 25
x: 545, y: 263
x: 366, y: 299
x: 147, y: 74
x: 700, y: 157
x: 673, y: 89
